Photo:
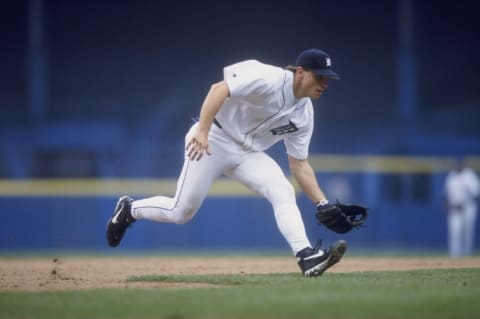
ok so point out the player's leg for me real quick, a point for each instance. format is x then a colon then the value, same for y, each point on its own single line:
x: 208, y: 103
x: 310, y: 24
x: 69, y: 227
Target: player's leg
x: 192, y: 188
x: 454, y: 234
x: 469, y: 220
x: 260, y: 173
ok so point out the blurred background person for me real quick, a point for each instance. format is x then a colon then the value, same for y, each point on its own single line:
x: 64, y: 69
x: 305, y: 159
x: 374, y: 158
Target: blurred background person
x: 462, y: 189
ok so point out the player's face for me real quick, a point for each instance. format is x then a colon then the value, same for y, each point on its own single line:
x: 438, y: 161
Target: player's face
x: 311, y: 85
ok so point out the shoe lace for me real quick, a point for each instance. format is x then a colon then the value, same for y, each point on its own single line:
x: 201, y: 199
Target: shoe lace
x: 318, y: 245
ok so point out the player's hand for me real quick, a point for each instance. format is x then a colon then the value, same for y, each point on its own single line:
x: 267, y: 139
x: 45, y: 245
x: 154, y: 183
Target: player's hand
x: 197, y: 146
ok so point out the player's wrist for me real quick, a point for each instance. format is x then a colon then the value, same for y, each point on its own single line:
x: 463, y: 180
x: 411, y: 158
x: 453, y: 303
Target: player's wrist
x: 203, y: 129
x: 322, y: 202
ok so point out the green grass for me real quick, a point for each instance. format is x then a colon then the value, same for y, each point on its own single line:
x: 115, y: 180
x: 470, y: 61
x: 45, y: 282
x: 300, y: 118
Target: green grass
x: 451, y: 293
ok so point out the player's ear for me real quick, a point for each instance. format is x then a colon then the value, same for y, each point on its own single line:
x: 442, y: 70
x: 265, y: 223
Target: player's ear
x: 299, y: 71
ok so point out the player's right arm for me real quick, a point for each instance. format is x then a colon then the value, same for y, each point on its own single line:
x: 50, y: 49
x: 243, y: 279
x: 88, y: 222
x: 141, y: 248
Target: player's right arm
x: 215, y: 98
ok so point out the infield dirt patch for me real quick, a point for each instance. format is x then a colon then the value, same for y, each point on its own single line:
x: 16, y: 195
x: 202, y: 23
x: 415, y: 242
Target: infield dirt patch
x: 78, y: 273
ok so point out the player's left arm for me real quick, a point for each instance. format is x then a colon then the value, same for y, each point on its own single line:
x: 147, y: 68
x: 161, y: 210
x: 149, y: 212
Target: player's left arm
x: 304, y: 174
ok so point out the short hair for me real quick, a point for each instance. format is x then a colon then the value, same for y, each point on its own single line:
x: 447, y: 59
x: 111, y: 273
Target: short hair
x: 291, y: 68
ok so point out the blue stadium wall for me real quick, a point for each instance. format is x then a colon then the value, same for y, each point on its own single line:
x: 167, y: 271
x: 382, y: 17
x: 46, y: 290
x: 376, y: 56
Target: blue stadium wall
x: 67, y: 224
x: 71, y: 215
x: 96, y: 97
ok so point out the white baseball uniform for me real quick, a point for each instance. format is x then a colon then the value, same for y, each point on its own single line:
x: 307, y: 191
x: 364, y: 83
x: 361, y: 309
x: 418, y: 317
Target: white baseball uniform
x: 461, y: 188
x: 261, y: 111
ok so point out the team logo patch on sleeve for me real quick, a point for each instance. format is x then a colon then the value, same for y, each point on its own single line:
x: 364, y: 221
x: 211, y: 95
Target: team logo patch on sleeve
x: 284, y: 129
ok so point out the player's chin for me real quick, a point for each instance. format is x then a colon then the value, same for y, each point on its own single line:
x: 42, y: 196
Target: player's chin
x: 316, y: 94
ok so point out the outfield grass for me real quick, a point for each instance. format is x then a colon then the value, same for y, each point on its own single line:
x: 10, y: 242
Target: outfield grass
x: 451, y: 293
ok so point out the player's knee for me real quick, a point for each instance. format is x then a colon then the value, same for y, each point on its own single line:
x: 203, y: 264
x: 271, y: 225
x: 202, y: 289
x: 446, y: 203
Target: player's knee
x: 282, y: 192
x: 285, y: 190
x: 182, y: 220
x: 184, y: 215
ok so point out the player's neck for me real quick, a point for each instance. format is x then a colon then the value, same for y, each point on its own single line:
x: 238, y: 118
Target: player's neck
x: 297, y: 88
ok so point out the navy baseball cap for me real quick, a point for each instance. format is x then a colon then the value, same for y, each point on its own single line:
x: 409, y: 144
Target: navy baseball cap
x: 317, y: 61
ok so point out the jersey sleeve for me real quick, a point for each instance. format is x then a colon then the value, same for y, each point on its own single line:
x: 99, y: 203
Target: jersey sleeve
x: 248, y: 78
x: 298, y: 143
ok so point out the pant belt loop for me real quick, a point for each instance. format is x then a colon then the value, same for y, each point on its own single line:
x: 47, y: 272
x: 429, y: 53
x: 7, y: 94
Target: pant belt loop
x: 217, y: 123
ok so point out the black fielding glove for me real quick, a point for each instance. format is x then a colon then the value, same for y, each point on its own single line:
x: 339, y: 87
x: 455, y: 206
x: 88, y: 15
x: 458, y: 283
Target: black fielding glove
x: 341, y: 218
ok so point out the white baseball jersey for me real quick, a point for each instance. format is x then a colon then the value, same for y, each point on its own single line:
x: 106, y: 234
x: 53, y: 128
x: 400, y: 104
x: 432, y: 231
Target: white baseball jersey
x: 263, y: 110
x: 260, y: 111
x: 462, y: 187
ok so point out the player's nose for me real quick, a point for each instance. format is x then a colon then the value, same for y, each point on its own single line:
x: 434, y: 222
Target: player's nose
x: 323, y: 82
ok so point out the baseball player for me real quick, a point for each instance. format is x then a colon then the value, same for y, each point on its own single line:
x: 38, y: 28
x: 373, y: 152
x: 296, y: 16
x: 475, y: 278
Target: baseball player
x: 462, y: 190
x: 255, y: 106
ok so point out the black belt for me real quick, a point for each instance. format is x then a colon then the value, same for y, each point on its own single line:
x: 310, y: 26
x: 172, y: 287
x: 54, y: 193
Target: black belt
x: 216, y: 123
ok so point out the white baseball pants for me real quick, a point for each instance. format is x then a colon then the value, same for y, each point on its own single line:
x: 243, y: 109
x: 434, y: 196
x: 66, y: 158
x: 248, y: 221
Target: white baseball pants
x: 256, y: 170
x: 461, y: 230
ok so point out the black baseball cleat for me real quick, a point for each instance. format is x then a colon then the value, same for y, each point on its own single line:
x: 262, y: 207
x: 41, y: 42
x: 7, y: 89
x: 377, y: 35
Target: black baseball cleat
x: 314, y: 261
x: 119, y: 222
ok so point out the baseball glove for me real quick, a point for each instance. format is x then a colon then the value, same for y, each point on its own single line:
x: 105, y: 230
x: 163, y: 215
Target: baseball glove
x: 341, y: 218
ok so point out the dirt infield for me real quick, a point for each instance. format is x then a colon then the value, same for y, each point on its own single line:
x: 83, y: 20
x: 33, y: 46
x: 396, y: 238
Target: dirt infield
x: 75, y: 273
